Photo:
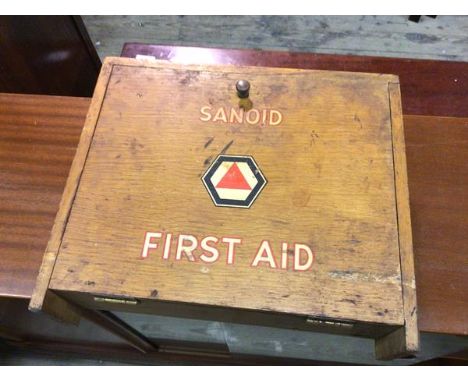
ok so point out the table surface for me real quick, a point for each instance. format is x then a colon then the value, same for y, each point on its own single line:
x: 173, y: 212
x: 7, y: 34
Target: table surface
x: 38, y: 139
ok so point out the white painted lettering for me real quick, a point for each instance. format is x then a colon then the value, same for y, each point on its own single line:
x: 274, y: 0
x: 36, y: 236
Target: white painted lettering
x: 231, y: 242
x: 205, y: 110
x: 264, y: 254
x: 187, y: 249
x: 206, y: 247
x: 148, y: 244
x: 302, y: 248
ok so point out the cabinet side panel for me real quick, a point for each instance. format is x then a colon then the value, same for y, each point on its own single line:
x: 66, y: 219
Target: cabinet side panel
x: 53, y: 245
x: 406, y: 340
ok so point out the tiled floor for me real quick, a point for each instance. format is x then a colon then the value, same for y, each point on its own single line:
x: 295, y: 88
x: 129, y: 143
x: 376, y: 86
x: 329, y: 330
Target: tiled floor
x: 443, y: 38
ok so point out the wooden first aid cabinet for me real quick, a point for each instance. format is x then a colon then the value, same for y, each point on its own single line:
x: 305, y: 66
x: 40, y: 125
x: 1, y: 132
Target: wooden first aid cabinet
x: 287, y: 207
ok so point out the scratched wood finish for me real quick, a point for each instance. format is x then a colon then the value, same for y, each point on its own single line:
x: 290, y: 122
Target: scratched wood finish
x: 42, y: 284
x: 38, y: 139
x: 428, y: 87
x: 331, y: 185
x: 406, y: 339
x: 436, y: 155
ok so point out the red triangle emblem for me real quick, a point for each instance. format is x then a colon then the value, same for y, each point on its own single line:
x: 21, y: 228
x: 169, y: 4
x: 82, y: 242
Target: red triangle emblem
x: 234, y: 179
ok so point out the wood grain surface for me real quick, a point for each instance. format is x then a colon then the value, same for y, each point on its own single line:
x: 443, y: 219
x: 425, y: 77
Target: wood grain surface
x: 428, y: 87
x: 38, y: 140
x: 331, y: 186
x: 436, y: 152
x: 406, y: 339
x: 437, y: 157
x: 48, y: 263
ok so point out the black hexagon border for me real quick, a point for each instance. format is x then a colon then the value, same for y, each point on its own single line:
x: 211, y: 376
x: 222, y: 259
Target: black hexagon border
x: 219, y: 202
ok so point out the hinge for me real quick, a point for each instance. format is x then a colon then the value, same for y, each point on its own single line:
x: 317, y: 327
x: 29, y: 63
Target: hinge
x: 116, y: 300
x: 329, y: 323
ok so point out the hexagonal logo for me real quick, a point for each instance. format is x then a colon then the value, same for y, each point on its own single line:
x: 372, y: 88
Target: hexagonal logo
x: 234, y: 181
